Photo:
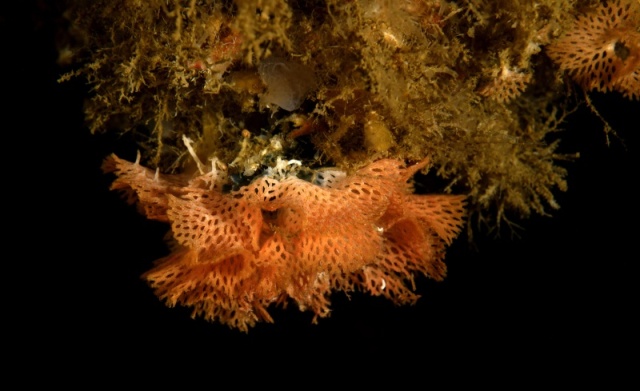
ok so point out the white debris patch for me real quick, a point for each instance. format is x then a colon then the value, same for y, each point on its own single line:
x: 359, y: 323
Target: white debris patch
x: 283, y: 169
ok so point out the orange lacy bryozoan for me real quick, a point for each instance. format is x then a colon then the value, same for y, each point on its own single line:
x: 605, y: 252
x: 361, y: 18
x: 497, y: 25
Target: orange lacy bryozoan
x: 601, y: 51
x: 274, y: 240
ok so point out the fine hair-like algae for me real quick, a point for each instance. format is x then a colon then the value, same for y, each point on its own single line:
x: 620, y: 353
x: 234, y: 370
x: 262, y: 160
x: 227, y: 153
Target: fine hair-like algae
x: 467, y: 84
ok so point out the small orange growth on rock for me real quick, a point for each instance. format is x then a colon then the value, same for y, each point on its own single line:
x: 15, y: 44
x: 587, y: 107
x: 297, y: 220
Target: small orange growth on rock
x: 507, y: 85
x: 273, y: 240
x: 602, y: 49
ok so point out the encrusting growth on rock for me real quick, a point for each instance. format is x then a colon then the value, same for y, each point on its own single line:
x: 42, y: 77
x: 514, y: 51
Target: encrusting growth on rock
x: 601, y: 51
x: 337, y: 83
x: 507, y: 85
x: 281, y: 238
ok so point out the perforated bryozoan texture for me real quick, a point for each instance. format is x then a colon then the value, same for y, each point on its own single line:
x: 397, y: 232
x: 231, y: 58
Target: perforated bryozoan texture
x: 507, y: 85
x: 601, y: 51
x: 276, y: 240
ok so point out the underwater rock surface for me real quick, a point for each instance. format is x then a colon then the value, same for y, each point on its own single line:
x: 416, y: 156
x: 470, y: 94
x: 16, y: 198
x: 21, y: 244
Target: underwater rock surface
x: 288, y: 82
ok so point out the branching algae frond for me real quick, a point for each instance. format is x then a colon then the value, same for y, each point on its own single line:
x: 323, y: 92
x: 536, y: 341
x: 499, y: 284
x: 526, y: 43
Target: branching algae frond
x: 477, y: 87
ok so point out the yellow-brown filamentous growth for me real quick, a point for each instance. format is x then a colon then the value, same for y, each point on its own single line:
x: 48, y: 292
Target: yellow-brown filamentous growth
x: 281, y: 238
x: 466, y: 83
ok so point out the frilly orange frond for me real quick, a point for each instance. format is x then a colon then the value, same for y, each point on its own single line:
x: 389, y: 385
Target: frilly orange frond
x: 601, y: 51
x: 274, y: 240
